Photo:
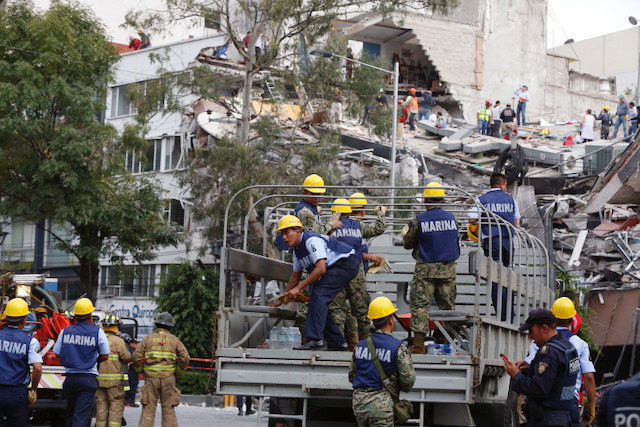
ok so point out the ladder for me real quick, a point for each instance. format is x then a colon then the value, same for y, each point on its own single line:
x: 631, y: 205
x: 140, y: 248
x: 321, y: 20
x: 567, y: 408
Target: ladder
x: 270, y: 86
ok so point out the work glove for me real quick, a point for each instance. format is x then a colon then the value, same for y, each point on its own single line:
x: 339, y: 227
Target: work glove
x: 589, y: 413
x: 405, y: 230
x: 32, y: 396
x: 379, y: 209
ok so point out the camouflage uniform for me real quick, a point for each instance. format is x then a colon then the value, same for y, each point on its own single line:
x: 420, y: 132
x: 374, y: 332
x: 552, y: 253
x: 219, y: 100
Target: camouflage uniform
x: 356, y: 290
x: 110, y: 393
x: 374, y: 408
x: 159, y: 353
x: 310, y: 222
x: 429, y: 278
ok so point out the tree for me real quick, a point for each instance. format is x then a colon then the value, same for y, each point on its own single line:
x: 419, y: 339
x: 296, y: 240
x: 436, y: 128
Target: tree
x: 59, y: 166
x: 191, y: 296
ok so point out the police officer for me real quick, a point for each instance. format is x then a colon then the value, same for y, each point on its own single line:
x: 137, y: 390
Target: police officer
x: 352, y: 232
x: 307, y: 209
x: 159, y: 353
x: 564, y: 310
x: 620, y: 405
x: 550, y: 381
x: 81, y: 347
x: 330, y: 265
x: 372, y: 402
x: 495, y: 238
x: 18, y: 350
x: 110, y: 394
x: 433, y: 235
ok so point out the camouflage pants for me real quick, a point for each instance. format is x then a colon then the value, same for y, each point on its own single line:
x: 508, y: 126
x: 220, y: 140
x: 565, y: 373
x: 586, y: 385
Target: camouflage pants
x: 431, y: 279
x: 358, y: 306
x: 373, y: 408
x: 163, y: 389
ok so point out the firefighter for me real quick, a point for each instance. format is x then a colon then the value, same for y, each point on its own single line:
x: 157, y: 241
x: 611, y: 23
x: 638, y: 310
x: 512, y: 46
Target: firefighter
x: 81, y: 347
x: 330, y: 265
x: 159, y: 353
x: 372, y: 395
x: 353, y: 232
x: 308, y: 211
x: 111, y: 389
x: 433, y: 236
x: 19, y: 350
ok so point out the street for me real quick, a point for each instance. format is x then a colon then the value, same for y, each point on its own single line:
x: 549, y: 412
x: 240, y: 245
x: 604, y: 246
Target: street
x: 196, y: 416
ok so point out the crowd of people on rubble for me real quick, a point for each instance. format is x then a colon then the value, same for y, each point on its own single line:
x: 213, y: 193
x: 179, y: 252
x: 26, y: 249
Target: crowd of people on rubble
x: 99, y: 364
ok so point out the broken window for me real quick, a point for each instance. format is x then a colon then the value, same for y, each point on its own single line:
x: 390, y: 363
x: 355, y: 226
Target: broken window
x: 172, y: 153
x: 174, y: 212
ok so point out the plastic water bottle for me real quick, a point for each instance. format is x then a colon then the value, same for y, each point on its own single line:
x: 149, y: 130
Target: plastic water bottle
x: 276, y: 340
x: 294, y: 337
x: 446, y: 349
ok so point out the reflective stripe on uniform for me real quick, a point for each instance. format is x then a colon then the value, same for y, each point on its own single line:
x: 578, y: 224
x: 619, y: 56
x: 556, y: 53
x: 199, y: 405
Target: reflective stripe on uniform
x: 109, y: 376
x: 165, y: 368
x: 101, y: 423
x: 114, y: 357
x: 160, y: 355
x: 113, y: 424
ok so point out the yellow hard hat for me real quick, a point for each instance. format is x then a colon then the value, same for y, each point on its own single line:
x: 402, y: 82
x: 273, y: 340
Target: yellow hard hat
x: 358, y: 200
x: 83, y: 306
x: 563, y: 308
x: 288, y: 221
x: 17, y: 307
x: 605, y: 108
x: 545, y: 131
x: 314, y: 184
x: 472, y: 231
x: 341, y: 205
x: 381, y: 307
x: 434, y: 189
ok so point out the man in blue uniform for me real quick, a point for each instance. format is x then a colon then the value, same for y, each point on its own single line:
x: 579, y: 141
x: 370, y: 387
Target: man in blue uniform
x: 620, y: 405
x: 550, y: 381
x: 495, y: 238
x: 81, y: 347
x: 433, y: 236
x: 18, y: 350
x: 372, y: 395
x: 330, y: 265
x: 563, y: 309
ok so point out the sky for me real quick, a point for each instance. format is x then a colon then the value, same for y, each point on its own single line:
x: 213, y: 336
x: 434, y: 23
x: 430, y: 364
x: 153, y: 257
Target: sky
x: 576, y: 19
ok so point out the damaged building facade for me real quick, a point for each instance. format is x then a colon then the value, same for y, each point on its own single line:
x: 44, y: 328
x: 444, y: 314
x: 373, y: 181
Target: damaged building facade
x: 482, y: 50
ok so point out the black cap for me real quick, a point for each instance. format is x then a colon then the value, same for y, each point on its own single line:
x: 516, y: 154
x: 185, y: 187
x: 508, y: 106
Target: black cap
x: 539, y: 316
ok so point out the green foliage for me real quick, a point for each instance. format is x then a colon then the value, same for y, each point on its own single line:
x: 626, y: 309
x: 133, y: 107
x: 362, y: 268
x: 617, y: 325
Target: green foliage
x: 196, y: 382
x: 57, y: 161
x: 586, y: 313
x: 191, y: 296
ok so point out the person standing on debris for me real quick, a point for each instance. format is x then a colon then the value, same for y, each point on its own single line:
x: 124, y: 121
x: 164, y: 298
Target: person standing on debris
x: 564, y: 311
x: 245, y: 41
x: 352, y: 233
x: 110, y: 394
x: 331, y: 265
x: 496, y: 121
x: 134, y: 43
x: 426, y: 103
x: 606, y: 121
x: 412, y: 104
x: 523, y: 98
x: 81, y: 347
x: 621, y: 113
x: 159, y: 353
x: 508, y: 117
x: 633, y: 118
x: 433, y: 236
x: 620, y: 405
x: 145, y: 42
x: 496, y: 241
x: 484, y: 116
x: 307, y: 209
x: 18, y: 388
x: 380, y: 368
x: 349, y: 64
x: 587, y: 126
x: 550, y: 381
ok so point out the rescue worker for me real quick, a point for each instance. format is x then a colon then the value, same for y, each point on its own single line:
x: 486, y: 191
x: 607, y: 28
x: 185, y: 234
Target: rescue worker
x: 110, y: 394
x: 433, y: 236
x: 130, y: 395
x: 606, y: 121
x: 307, y: 209
x: 18, y: 388
x: 550, y: 381
x: 330, y: 265
x: 484, y: 117
x: 620, y: 405
x: 159, y: 353
x: 372, y: 401
x: 352, y: 233
x: 496, y: 240
x: 81, y: 347
x: 564, y: 310
x: 412, y: 103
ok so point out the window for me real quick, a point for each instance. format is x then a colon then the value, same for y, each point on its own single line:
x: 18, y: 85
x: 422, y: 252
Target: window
x: 129, y: 280
x: 132, y: 162
x: 172, y: 153
x: 162, y: 155
x: 174, y: 212
x: 154, y: 156
x: 120, y: 103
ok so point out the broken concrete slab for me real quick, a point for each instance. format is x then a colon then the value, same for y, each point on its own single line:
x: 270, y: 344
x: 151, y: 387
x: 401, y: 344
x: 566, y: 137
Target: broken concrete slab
x: 430, y: 126
x: 447, y: 144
